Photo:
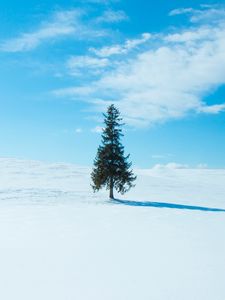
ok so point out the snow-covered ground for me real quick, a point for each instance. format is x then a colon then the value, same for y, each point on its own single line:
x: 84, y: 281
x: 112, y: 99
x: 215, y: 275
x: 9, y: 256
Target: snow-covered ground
x: 58, y: 241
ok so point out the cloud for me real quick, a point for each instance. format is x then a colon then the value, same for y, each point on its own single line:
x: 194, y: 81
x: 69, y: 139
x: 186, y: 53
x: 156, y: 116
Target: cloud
x: 181, y: 11
x: 77, y: 64
x: 206, y: 13
x: 97, y: 129
x: 112, y: 16
x: 161, y: 84
x: 165, y: 80
x: 78, y: 130
x: 74, y: 23
x: 73, y: 91
x: 121, y: 49
x: 171, y: 166
x: 212, y: 109
x: 191, y: 35
x: 62, y: 24
x: 177, y: 166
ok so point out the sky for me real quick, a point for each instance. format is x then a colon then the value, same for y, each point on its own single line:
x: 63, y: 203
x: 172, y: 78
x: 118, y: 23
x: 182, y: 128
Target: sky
x: 162, y: 63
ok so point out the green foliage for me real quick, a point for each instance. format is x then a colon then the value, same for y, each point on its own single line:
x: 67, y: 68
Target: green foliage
x: 111, y: 166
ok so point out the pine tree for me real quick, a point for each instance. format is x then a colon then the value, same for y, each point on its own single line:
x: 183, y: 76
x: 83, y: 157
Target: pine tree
x: 111, y: 167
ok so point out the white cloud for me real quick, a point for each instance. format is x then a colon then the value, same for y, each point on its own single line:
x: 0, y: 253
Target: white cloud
x: 165, y: 82
x: 73, y: 91
x: 181, y: 11
x: 171, y: 165
x: 76, y: 23
x: 212, y: 109
x: 77, y: 64
x: 108, y: 50
x: 212, y: 14
x: 191, y: 35
x: 97, y: 129
x: 177, y: 166
x: 121, y: 49
x: 62, y: 24
x: 112, y: 16
x: 206, y: 13
x: 78, y: 130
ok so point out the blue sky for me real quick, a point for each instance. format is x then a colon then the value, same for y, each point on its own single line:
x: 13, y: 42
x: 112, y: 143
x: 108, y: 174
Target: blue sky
x: 162, y: 63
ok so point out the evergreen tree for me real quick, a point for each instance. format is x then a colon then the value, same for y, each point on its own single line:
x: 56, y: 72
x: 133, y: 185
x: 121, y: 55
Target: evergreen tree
x: 111, y: 167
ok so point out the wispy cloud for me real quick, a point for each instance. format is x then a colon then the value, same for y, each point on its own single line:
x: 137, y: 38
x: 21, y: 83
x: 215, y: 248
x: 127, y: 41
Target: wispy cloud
x: 61, y: 24
x: 77, y: 64
x: 178, y: 166
x: 206, y: 13
x: 165, y: 80
x: 97, y: 129
x: 121, y: 49
x: 78, y: 130
x: 212, y: 109
x: 171, y: 165
x: 112, y: 16
x: 181, y: 11
x: 82, y: 91
x: 190, y: 35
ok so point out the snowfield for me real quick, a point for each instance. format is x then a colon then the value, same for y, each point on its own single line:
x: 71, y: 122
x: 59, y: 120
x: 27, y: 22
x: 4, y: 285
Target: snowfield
x: 164, y: 240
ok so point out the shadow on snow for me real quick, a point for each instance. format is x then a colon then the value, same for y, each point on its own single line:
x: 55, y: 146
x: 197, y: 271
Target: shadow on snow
x: 166, y: 205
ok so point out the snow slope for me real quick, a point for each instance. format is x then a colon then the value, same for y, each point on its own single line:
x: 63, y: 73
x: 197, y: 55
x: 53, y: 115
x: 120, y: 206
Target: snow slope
x: 162, y: 241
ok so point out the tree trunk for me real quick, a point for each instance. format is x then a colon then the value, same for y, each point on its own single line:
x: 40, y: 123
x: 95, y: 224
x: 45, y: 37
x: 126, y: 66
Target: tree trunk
x: 111, y: 189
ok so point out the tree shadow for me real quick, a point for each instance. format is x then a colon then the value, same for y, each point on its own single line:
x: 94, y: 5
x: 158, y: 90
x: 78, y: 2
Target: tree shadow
x: 166, y: 205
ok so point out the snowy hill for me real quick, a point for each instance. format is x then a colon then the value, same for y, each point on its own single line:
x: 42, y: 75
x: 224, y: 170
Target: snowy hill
x: 163, y: 240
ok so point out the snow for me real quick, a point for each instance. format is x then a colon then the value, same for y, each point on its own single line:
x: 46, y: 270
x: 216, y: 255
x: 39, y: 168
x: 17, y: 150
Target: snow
x: 60, y: 241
